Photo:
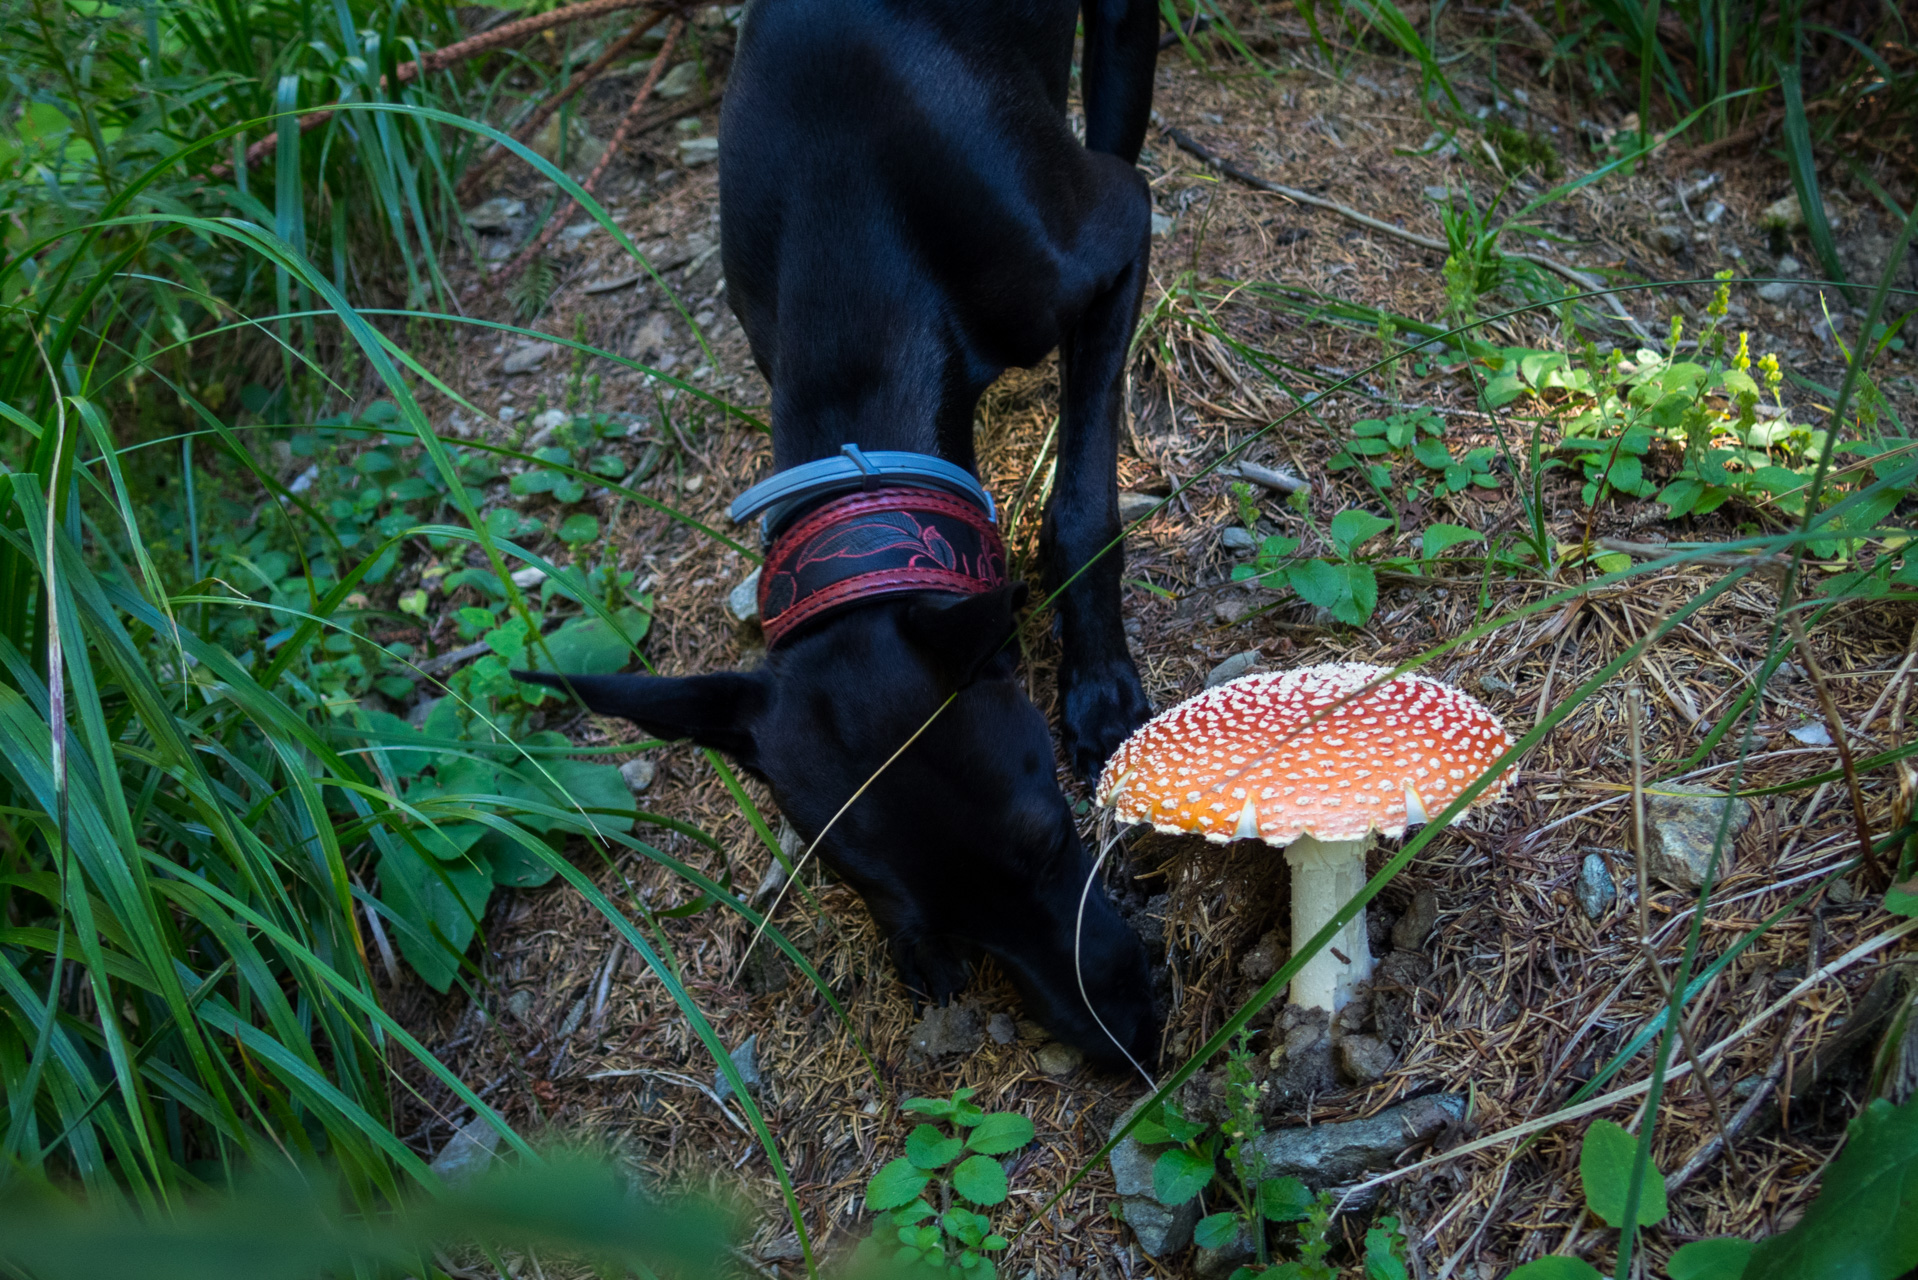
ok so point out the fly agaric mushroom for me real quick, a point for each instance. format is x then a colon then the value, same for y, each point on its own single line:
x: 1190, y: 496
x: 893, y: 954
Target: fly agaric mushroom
x: 1312, y: 761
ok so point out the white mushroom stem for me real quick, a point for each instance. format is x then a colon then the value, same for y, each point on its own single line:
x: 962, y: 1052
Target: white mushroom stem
x: 1327, y: 874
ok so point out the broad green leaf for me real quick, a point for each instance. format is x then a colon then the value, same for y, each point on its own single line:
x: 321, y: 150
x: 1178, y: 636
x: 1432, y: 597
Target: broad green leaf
x: 1177, y: 1127
x: 587, y: 646
x: 1502, y: 390
x: 1382, y: 1248
x: 514, y: 864
x: 1178, y: 1175
x: 1432, y: 453
x: 1902, y: 899
x: 937, y: 1108
x: 451, y: 840
x: 1440, y: 538
x: 1352, y: 528
x: 980, y: 1179
x: 899, y: 1183
x: 1612, y: 562
x: 1557, y: 1267
x: 1605, y: 1167
x: 999, y: 1133
x: 586, y: 786
x: 1722, y: 1259
x: 404, y: 761
x: 579, y: 528
x: 1348, y: 591
x: 1864, y: 1224
x: 443, y: 897
x: 1284, y: 1200
x: 928, y: 1147
x: 1215, y: 1231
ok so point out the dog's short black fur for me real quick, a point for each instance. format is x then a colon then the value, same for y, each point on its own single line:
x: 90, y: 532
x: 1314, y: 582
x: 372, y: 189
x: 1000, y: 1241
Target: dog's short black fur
x: 905, y: 213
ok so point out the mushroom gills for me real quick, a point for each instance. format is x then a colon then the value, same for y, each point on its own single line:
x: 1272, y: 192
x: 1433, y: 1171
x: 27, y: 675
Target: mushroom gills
x: 1327, y: 874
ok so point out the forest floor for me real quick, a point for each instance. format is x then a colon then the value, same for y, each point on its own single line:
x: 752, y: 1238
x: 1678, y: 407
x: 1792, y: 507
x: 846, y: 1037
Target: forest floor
x: 1516, y: 996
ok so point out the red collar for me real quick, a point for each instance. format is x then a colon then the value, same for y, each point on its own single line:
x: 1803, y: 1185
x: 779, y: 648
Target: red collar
x: 881, y: 542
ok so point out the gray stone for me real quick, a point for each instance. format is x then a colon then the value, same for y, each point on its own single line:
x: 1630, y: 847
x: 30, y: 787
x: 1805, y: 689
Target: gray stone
x: 574, y: 1016
x: 678, y: 82
x: 1681, y: 826
x: 1160, y: 1231
x: 1162, y: 225
x: 1239, y: 540
x: 694, y: 152
x: 946, y: 1029
x: 468, y: 1152
x: 1668, y: 236
x: 1136, y: 506
x: 1410, y: 932
x: 1263, y: 958
x: 496, y: 214
x: 1002, y: 1029
x: 1325, y: 1155
x: 526, y: 357
x: 1782, y: 215
x: 1438, y: 193
x: 746, y: 1062
x: 529, y: 577
x: 1777, y: 291
x: 1789, y: 266
x: 743, y: 600
x: 1233, y: 667
x: 1364, y: 1058
x: 639, y: 773
x: 519, y: 1004
x: 1057, y: 1059
x: 1594, y: 888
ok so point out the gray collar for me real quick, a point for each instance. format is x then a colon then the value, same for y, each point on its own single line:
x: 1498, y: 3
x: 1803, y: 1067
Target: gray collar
x: 849, y: 470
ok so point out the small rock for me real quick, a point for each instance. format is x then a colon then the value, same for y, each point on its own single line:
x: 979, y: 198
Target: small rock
x: 946, y: 1029
x: 1364, y: 1058
x: 529, y: 577
x: 1029, y: 1031
x: 1160, y: 1231
x: 1812, y: 734
x: 1233, y: 667
x: 1782, y: 215
x: 545, y: 424
x: 1000, y: 1027
x: 526, y: 357
x: 1669, y: 236
x: 519, y: 1004
x: 743, y: 600
x: 575, y: 232
x: 496, y: 214
x: 1789, y: 266
x: 1410, y: 932
x: 1057, y: 1059
x: 639, y: 773
x: 1594, y: 888
x: 574, y: 1016
x: 468, y: 1152
x: 1714, y: 212
x: 1230, y: 611
x: 746, y: 1062
x: 1162, y: 225
x: 1438, y: 193
x: 1136, y: 506
x: 1263, y: 958
x: 1840, y: 892
x: 678, y: 82
x: 694, y: 152
x: 1237, y: 539
x: 1328, y: 1154
x: 1777, y: 291
x: 1681, y: 826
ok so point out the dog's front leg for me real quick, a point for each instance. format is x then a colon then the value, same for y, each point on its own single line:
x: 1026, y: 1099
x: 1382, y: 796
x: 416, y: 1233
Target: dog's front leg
x: 1101, y: 698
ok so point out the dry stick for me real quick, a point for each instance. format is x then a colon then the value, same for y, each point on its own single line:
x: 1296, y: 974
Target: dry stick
x: 544, y: 111
x: 1710, y: 1151
x: 1634, y: 717
x: 1230, y: 170
x: 440, y: 59
x: 1867, y: 855
x: 558, y: 220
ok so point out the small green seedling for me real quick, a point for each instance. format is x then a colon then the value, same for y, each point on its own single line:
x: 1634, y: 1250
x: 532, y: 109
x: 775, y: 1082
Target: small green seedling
x: 1414, y: 435
x: 928, y: 1201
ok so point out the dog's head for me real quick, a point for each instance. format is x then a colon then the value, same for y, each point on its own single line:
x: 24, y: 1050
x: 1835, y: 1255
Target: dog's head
x: 959, y: 838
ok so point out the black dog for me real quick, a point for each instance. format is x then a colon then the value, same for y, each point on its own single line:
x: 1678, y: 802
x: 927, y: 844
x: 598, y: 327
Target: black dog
x: 905, y: 214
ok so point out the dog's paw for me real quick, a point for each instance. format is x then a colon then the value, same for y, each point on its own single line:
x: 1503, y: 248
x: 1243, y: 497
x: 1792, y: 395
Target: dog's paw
x: 1101, y: 705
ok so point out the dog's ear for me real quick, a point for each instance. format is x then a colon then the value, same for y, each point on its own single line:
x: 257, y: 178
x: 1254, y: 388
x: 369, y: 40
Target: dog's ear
x: 960, y: 636
x: 718, y: 711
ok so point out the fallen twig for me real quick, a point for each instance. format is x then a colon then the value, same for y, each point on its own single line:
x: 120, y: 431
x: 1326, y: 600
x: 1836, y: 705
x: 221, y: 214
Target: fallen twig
x: 1187, y: 143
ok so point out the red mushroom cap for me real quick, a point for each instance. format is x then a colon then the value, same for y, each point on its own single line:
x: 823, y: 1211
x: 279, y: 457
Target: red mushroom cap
x: 1306, y: 753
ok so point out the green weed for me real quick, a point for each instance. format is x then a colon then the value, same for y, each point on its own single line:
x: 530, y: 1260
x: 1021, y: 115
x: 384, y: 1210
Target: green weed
x: 924, y: 1224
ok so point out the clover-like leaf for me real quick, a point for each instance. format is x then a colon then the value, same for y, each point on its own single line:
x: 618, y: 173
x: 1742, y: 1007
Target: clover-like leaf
x: 1000, y: 1132
x: 980, y: 1179
x: 1284, y: 1200
x: 928, y: 1147
x: 1605, y: 1167
x: 899, y: 1183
